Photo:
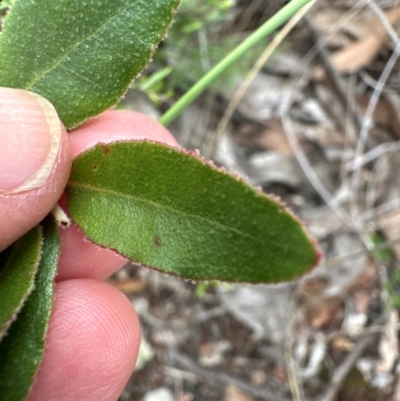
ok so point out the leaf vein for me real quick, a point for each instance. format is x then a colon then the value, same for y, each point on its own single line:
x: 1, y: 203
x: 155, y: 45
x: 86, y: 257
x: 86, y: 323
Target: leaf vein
x: 81, y: 76
x: 76, y: 45
x: 110, y: 191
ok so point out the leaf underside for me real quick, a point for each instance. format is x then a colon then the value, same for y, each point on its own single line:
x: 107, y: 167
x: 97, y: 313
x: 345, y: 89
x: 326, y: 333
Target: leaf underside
x: 18, y: 266
x: 21, y: 350
x: 167, y: 209
x: 80, y: 55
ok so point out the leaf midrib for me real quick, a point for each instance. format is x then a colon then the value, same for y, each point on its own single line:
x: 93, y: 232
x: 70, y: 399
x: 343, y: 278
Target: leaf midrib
x: 76, y: 45
x: 137, y: 199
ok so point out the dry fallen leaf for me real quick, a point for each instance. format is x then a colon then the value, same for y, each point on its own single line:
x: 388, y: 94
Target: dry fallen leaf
x: 343, y: 344
x: 361, y: 53
x: 341, y: 25
x: 232, y: 393
x: 212, y: 354
x: 324, y: 312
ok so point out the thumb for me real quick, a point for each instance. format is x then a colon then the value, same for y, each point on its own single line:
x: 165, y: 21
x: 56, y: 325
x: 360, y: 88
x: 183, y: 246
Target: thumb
x: 34, y: 162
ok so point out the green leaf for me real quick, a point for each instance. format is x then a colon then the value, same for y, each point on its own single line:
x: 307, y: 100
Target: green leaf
x: 5, y: 4
x: 169, y: 210
x: 383, y: 254
x: 21, y: 350
x: 18, y: 266
x: 80, y: 55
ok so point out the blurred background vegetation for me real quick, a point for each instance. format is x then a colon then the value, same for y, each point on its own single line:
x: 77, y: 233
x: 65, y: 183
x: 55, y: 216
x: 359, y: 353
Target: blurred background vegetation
x: 204, y: 31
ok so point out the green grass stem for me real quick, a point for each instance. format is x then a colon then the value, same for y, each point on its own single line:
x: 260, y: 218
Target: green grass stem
x: 277, y: 20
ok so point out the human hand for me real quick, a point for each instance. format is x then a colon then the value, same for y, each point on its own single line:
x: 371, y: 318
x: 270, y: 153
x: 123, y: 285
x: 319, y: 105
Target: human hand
x: 94, y: 333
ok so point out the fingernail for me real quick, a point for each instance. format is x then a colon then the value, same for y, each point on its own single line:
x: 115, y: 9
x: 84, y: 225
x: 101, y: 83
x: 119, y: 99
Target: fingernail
x: 30, y: 135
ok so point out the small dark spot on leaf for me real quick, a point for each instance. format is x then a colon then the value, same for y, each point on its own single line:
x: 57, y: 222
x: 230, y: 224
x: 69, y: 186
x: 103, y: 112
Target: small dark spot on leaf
x: 95, y: 167
x: 106, y: 149
x: 157, y: 241
x: 179, y: 221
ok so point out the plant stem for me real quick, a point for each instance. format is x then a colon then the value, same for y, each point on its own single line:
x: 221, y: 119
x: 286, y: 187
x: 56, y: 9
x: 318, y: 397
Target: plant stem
x: 244, y: 86
x: 283, y: 15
